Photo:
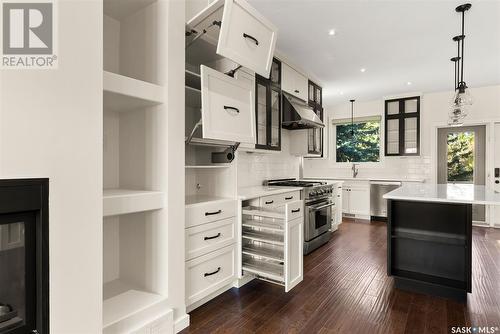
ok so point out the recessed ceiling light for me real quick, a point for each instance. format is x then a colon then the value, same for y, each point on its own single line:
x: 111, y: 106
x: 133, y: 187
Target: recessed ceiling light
x: 409, y: 83
x: 363, y: 70
x: 331, y: 32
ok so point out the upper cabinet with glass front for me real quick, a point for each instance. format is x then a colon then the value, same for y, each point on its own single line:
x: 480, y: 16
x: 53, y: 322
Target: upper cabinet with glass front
x: 268, y: 109
x: 402, y: 126
x: 240, y: 32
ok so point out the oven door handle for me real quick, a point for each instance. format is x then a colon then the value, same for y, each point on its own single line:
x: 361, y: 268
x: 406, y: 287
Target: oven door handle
x: 316, y: 208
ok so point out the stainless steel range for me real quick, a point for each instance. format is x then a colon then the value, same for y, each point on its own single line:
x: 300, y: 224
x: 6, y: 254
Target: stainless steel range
x: 318, y: 208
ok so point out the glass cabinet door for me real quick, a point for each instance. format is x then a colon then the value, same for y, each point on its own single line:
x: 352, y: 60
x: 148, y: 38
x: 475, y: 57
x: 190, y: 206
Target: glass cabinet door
x: 261, y: 106
x: 275, y: 76
x: 275, y: 125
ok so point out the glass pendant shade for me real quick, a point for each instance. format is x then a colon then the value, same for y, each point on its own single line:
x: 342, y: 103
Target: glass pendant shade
x: 462, y: 98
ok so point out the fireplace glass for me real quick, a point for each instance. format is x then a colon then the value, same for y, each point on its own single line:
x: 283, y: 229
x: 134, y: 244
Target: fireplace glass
x: 17, y: 270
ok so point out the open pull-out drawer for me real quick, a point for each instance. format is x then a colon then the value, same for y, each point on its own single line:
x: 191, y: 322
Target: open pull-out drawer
x: 272, y: 244
x: 241, y: 33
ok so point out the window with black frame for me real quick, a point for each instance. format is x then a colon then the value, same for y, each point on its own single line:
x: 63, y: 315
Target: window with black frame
x: 358, y: 141
x: 402, y: 126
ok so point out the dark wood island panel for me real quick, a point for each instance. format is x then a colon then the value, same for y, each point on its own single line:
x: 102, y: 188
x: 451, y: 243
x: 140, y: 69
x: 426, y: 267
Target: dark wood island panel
x: 429, y: 247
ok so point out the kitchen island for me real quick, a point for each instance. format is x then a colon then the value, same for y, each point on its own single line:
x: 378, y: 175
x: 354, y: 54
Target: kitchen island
x: 429, y: 236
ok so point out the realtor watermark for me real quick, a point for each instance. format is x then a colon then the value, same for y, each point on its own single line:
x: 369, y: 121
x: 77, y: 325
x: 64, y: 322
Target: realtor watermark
x: 474, y: 329
x: 28, y: 35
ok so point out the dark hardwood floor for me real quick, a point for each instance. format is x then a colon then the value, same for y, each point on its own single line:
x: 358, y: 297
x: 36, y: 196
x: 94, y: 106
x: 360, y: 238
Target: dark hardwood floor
x: 346, y: 290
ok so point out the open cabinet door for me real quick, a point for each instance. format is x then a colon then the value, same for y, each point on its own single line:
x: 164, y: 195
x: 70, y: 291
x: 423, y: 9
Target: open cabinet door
x: 227, y: 107
x: 247, y: 37
x: 294, y: 246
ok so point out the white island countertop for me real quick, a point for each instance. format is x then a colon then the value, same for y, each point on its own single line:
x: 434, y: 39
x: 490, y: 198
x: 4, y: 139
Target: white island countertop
x: 445, y: 193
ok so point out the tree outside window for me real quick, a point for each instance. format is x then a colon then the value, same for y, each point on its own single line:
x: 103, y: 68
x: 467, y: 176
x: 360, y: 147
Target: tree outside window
x: 362, y: 146
x: 461, y: 157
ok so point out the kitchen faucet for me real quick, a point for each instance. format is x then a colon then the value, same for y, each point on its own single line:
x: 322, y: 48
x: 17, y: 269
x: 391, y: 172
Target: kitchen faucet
x: 355, y: 170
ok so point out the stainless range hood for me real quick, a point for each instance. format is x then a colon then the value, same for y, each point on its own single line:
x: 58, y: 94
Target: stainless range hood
x: 298, y: 115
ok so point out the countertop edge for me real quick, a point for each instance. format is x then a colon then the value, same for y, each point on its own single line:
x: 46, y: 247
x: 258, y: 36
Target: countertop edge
x: 364, y: 179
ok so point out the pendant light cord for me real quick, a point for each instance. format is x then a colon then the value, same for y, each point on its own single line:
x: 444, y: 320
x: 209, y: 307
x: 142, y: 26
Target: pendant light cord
x: 463, y: 47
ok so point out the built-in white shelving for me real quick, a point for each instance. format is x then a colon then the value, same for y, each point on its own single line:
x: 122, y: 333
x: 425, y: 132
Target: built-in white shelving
x: 135, y: 159
x: 125, y: 201
x: 121, y: 302
x: 123, y: 93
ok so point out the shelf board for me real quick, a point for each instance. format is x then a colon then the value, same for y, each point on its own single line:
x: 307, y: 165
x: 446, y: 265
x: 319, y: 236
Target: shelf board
x: 194, y: 200
x: 193, y: 80
x: 269, y: 226
x: 263, y: 252
x: 264, y: 268
x: 251, y: 211
x: 130, y: 305
x: 124, y: 201
x: 207, y: 166
x: 273, y: 239
x: 122, y: 9
x: 122, y: 93
x: 193, y: 97
x: 431, y: 236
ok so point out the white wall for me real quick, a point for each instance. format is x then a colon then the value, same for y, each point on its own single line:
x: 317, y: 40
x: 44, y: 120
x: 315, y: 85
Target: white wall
x: 51, y: 126
x: 254, y: 168
x: 434, y: 111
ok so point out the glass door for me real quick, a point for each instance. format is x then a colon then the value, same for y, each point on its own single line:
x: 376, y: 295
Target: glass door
x: 461, y: 160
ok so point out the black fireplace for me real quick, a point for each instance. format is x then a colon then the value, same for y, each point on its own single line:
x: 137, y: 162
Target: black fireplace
x: 24, y: 256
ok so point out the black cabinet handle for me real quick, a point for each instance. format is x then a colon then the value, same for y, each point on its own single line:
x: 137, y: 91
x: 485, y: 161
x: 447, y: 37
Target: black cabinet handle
x: 232, y: 108
x: 288, y: 198
x: 297, y: 91
x: 251, y: 37
x: 212, y: 273
x: 213, y: 237
x: 213, y: 213
x: 295, y: 211
x: 269, y: 202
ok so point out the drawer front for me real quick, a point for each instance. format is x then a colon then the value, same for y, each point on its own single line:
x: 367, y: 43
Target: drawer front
x: 227, y: 107
x: 206, y: 274
x: 279, y: 200
x: 206, y: 238
x: 295, y: 210
x: 247, y: 37
x: 210, y: 212
x: 290, y: 197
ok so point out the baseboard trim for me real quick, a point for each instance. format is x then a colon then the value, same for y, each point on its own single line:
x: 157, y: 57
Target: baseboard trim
x: 181, y: 323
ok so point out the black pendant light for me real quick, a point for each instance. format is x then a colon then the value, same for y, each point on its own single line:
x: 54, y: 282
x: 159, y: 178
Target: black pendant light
x: 352, y: 118
x: 462, y: 99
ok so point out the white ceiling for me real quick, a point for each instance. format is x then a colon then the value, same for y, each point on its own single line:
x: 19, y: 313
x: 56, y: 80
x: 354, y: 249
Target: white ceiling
x: 396, y: 41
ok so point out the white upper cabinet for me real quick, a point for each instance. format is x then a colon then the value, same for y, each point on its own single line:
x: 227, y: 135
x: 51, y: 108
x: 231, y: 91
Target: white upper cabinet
x: 227, y: 108
x: 293, y: 82
x: 244, y: 35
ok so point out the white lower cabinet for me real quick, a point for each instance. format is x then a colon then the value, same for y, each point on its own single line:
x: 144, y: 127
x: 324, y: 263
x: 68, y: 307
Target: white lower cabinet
x: 272, y: 243
x: 356, y: 199
x: 208, y: 273
x: 211, y: 248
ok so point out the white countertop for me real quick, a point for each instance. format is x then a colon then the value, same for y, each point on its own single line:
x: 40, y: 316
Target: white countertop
x: 445, y: 193
x: 364, y: 179
x: 259, y: 191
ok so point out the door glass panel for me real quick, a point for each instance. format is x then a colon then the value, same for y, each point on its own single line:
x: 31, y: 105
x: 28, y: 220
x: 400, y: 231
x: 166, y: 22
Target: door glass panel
x: 318, y: 96
x: 460, y: 157
x: 310, y: 140
x: 411, y: 135
x: 410, y: 106
x: 318, y: 133
x: 393, y: 108
x: 261, y: 114
x: 12, y: 276
x: 275, y: 73
x: 275, y: 117
x: 393, y: 136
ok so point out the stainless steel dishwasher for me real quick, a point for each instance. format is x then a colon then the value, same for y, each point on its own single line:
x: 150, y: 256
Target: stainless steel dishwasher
x: 378, y: 205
